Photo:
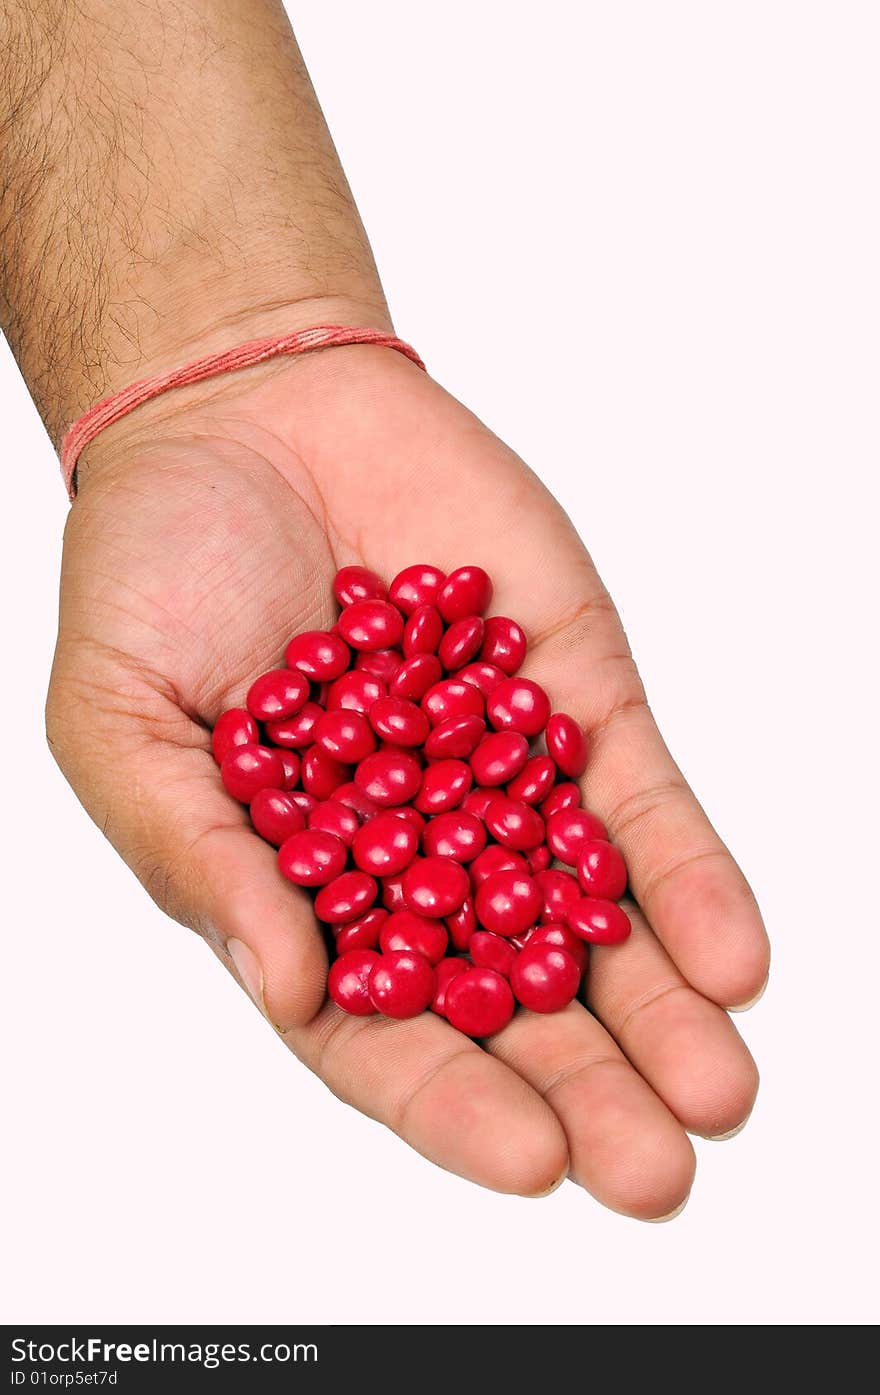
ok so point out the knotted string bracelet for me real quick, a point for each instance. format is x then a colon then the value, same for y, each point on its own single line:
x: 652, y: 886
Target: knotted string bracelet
x: 118, y: 405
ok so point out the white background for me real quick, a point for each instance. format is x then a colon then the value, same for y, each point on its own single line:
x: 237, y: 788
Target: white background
x: 642, y: 242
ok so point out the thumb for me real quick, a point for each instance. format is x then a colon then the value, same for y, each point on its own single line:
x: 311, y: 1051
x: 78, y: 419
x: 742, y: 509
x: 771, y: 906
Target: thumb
x: 144, y: 772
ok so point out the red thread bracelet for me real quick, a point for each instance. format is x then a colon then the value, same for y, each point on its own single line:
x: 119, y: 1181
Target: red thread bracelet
x: 111, y: 409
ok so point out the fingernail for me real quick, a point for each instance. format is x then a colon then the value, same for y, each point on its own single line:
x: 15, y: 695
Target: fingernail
x: 744, y: 1007
x: 731, y: 1133
x: 553, y: 1187
x: 247, y: 966
x: 670, y: 1215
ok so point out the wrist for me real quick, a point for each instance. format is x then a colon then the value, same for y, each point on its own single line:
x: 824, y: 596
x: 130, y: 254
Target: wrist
x: 194, y: 320
x: 261, y: 385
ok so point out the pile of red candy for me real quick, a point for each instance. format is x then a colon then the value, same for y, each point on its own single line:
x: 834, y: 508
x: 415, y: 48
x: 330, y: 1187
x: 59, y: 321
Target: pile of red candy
x: 391, y: 763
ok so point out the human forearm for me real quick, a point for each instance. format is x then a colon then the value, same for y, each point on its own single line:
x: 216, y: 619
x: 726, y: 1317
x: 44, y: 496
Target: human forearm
x: 167, y: 185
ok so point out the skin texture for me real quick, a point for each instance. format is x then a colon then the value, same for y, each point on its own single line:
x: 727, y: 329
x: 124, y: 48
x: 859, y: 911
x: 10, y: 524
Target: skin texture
x: 169, y: 188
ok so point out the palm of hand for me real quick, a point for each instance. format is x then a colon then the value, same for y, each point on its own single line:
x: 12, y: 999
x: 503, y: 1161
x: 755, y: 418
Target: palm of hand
x: 189, y: 562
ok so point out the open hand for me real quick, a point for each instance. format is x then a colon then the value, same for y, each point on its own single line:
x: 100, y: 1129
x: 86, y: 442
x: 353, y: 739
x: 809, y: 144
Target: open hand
x: 206, y: 533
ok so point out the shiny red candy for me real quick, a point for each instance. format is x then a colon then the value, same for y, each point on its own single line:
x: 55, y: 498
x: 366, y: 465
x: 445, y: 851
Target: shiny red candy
x: 277, y: 694
x: 444, y: 786
x: 318, y: 655
x: 460, y: 643
x: 247, y: 769
x: 381, y: 663
x: 504, y: 644
x: 332, y: 816
x: 494, y: 858
x: 597, y: 921
x: 601, y: 870
x: 445, y: 972
x: 484, y: 676
x: 348, y: 980
x: 415, y: 586
x: 371, y: 625
x: 393, y: 898
x: 568, y: 831
x: 567, y: 744
x: 355, y: 799
x: 312, y: 857
x: 466, y: 591
x: 389, y: 777
x: 478, y: 799
x: 234, y: 728
x: 479, y: 1002
x: 404, y: 930
x: 519, y: 704
x: 355, y: 690
x: 435, y: 886
x: 295, y: 732
x: 423, y: 631
x: 544, y: 978
x: 456, y: 737
x: 558, y: 890
x: 322, y: 774
x: 508, y: 903
x: 352, y: 584
x: 499, y: 757
x: 401, y: 984
x: 462, y: 924
x: 345, y: 735
x: 514, y: 824
x: 452, y: 698
x: 563, y: 938
x: 427, y: 840
x: 534, y: 782
x: 400, y: 721
x: 411, y: 815
x: 386, y: 845
x: 415, y: 676
x: 490, y: 951
x: 347, y: 897
x: 539, y: 858
x: 292, y: 766
x: 457, y: 835
x: 362, y: 933
x: 564, y: 796
x: 276, y: 816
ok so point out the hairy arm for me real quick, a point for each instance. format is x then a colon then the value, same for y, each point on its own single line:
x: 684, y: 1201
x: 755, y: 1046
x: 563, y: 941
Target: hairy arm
x: 168, y: 185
